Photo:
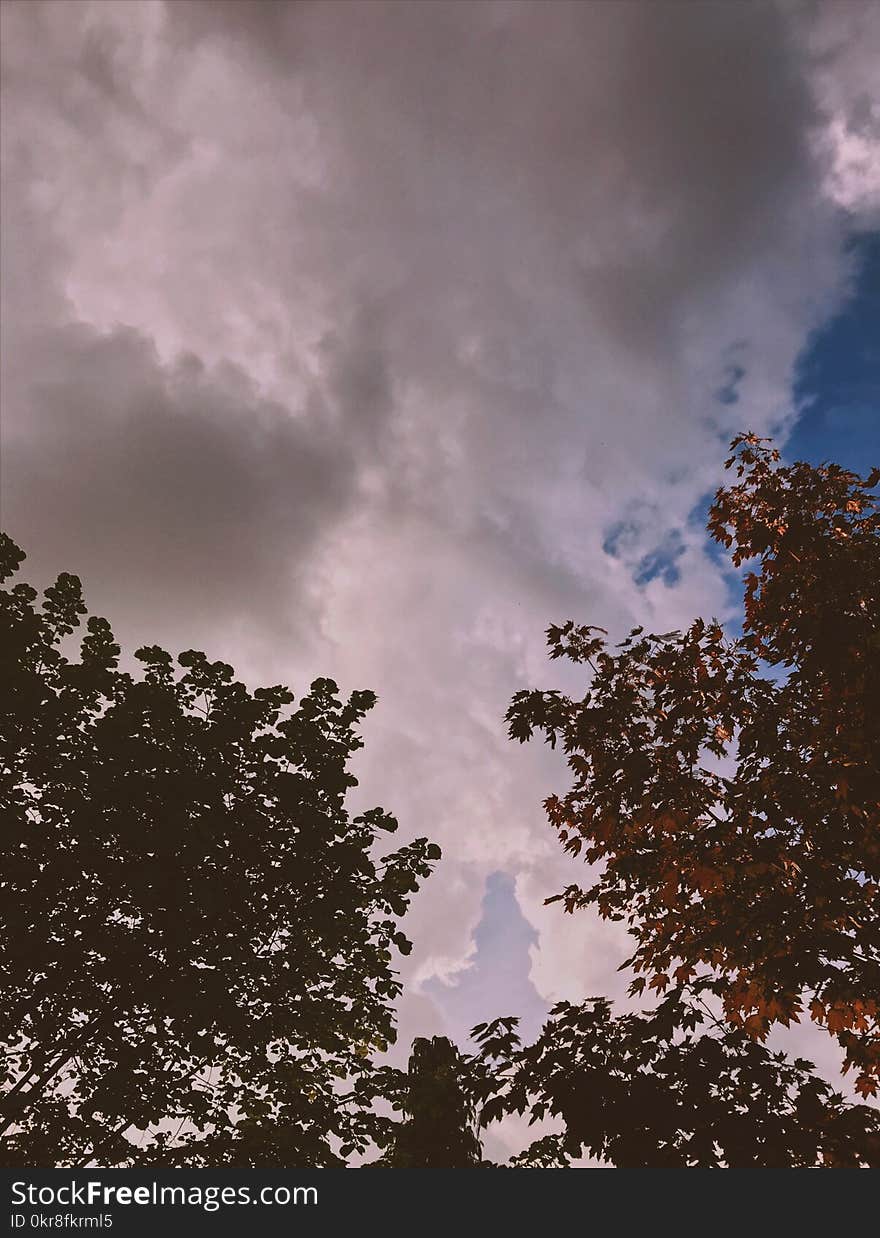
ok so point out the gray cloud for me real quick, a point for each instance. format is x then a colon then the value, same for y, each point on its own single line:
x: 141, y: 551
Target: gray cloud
x: 172, y: 488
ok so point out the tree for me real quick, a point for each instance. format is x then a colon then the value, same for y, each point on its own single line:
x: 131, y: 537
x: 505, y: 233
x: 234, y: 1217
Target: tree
x: 435, y: 1094
x: 650, y: 1090
x: 198, y: 938
x: 728, y: 790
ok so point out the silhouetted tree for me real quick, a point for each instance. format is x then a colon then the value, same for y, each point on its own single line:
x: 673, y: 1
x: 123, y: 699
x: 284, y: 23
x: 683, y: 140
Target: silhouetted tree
x: 729, y: 790
x: 438, y: 1130
x: 198, y: 939
x: 670, y: 1088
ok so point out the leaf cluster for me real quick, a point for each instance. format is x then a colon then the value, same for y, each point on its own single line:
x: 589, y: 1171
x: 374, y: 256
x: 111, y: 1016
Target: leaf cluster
x: 727, y: 792
x: 199, y: 939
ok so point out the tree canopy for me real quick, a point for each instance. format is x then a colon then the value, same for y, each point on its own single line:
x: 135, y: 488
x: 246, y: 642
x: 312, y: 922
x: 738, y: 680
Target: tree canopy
x: 436, y: 1098
x: 667, y: 1088
x: 199, y: 939
x: 726, y: 792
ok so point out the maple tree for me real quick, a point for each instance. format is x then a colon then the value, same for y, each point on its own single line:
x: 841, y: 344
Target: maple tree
x: 727, y: 791
x: 667, y: 1088
x: 198, y: 938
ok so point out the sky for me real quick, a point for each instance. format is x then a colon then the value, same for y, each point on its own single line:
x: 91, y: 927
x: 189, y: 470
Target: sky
x: 368, y: 339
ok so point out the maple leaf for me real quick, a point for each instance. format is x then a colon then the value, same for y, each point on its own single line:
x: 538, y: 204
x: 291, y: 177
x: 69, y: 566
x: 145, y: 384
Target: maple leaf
x: 866, y: 1085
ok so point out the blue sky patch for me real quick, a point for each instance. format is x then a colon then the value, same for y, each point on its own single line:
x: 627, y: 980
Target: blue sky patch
x: 728, y: 392
x: 623, y: 536
x: 837, y: 377
x: 661, y: 561
x: 619, y: 533
x: 496, y: 982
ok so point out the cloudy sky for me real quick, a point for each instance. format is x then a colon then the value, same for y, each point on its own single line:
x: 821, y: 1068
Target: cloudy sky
x: 367, y: 339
